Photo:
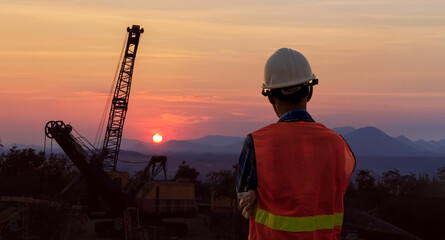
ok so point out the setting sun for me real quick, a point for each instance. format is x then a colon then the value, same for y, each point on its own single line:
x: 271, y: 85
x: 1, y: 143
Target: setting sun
x: 157, y: 138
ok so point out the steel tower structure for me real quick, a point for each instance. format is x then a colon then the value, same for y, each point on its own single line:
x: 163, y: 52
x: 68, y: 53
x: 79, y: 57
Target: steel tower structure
x: 119, y: 104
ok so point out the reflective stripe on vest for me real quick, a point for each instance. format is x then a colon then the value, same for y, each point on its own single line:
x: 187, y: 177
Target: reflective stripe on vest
x: 298, y: 224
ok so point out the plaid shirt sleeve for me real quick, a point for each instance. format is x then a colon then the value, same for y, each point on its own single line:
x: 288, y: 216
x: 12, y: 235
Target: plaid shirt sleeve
x: 246, y: 178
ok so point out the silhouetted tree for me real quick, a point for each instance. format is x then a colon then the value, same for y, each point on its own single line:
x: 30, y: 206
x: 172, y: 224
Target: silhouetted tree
x: 23, y: 172
x: 185, y: 171
x: 17, y: 161
x: 223, y: 183
x: 392, y: 181
x: 413, y: 203
x: 407, y: 184
x: 441, y: 174
x: 365, y: 181
x: 232, y: 225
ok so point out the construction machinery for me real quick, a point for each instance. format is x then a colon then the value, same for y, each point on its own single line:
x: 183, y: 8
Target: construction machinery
x: 96, y: 163
x: 140, y: 197
x: 90, y: 166
x: 119, y: 104
x: 139, y: 202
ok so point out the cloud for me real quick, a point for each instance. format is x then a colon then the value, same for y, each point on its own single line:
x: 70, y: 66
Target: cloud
x: 14, y: 92
x: 240, y: 114
x: 92, y: 93
x: 179, y: 119
x: 171, y: 54
x: 389, y: 95
x: 202, y: 97
x: 54, y: 53
x: 59, y: 12
x: 177, y: 98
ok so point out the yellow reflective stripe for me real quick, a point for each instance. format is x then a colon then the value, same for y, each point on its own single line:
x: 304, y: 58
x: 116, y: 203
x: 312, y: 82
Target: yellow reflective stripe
x: 298, y: 224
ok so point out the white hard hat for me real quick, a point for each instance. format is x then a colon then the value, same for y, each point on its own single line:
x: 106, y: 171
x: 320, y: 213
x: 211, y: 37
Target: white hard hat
x: 285, y: 68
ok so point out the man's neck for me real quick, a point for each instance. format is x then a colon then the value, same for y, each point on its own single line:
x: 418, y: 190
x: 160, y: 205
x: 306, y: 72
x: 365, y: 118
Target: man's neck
x: 283, y: 108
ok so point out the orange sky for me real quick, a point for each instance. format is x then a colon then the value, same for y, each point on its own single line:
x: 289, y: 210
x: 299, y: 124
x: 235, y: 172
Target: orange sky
x: 200, y: 63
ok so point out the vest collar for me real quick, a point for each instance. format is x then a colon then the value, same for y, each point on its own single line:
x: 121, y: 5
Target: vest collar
x: 296, y: 115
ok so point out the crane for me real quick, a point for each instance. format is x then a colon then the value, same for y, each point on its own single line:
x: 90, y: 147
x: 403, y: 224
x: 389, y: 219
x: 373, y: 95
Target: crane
x: 119, y: 104
x: 97, y: 166
x: 96, y: 163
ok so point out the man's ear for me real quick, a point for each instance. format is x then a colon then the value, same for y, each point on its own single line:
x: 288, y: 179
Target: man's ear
x: 271, y: 99
x: 309, y: 94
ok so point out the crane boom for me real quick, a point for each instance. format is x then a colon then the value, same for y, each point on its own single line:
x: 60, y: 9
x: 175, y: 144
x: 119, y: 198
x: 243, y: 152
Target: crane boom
x: 119, y: 104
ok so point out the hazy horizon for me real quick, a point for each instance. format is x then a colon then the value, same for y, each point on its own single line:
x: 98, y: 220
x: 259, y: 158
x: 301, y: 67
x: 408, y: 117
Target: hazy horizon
x: 191, y: 139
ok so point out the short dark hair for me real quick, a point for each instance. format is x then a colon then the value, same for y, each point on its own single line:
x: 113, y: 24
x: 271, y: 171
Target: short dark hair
x: 292, y: 94
x: 295, y: 96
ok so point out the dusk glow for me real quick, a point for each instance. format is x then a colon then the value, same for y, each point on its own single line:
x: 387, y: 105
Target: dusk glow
x: 200, y: 64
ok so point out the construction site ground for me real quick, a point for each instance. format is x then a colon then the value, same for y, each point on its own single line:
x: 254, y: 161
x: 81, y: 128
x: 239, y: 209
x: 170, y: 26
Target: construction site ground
x: 197, y: 229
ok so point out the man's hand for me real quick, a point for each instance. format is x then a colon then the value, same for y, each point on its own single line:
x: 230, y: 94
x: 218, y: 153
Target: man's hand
x: 247, y: 202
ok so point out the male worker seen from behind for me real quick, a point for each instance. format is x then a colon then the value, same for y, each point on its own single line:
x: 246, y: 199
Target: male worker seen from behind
x: 293, y: 174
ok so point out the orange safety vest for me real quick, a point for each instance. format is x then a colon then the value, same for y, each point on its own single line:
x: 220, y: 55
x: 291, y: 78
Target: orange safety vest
x: 303, y: 170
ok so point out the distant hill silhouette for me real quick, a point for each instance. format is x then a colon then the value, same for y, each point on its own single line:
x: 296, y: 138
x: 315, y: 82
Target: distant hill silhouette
x: 431, y: 146
x: 366, y: 141
x: 371, y: 141
x: 408, y: 142
x: 344, y: 130
x: 218, y: 140
x: 23, y: 146
x: 207, y: 144
x: 374, y: 149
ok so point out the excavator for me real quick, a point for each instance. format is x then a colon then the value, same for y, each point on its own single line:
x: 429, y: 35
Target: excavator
x: 127, y: 204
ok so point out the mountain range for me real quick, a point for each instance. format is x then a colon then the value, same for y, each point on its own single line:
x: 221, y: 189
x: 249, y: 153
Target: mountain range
x: 374, y: 150
x: 378, y: 152
x: 207, y: 144
x: 367, y: 141
x: 371, y: 141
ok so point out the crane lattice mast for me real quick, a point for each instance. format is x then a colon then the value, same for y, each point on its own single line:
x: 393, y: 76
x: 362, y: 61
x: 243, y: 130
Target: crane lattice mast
x: 119, y: 104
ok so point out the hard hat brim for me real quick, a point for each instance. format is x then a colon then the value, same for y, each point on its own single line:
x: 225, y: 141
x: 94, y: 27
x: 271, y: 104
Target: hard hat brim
x: 313, y: 77
x: 266, y: 91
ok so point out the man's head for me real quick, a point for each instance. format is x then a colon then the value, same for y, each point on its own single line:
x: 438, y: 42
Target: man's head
x: 288, y: 81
